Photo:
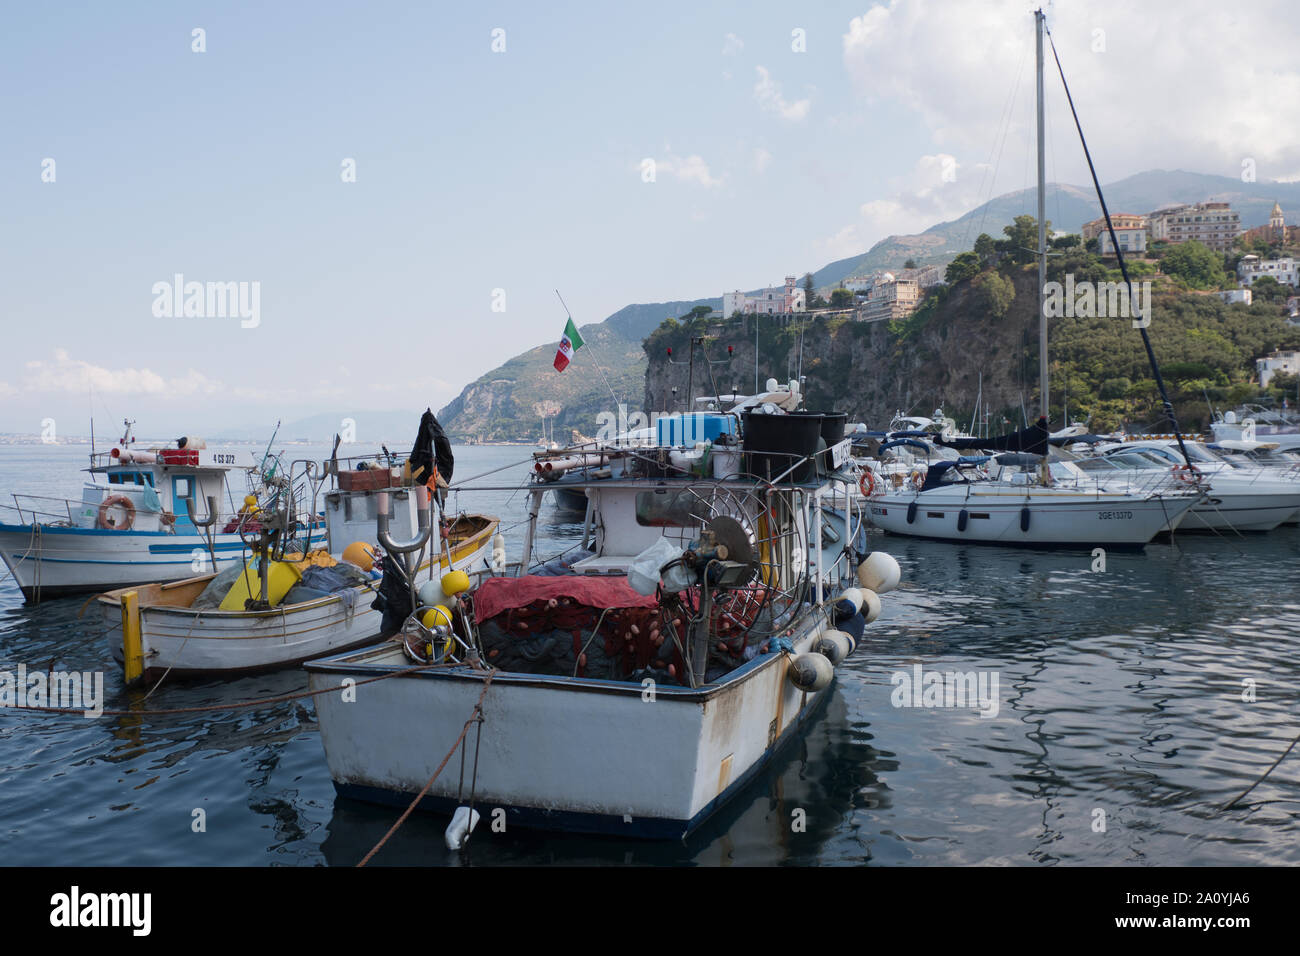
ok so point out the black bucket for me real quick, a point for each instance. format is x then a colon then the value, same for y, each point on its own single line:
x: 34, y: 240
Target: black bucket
x: 774, y: 443
x: 833, y: 424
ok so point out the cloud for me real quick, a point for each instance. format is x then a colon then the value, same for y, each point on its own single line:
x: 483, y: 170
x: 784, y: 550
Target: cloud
x: 689, y: 169
x: 732, y: 45
x: 767, y: 93
x: 936, y: 189
x: 1205, y: 102
x: 66, y: 374
x: 762, y: 159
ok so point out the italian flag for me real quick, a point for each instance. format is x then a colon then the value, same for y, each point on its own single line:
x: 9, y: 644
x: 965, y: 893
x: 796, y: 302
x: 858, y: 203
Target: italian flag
x: 570, y: 342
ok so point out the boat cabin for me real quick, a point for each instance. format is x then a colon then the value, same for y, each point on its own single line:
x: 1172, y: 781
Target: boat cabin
x: 149, y: 491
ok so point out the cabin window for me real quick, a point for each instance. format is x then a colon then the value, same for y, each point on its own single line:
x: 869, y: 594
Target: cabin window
x: 182, y: 488
x: 664, y: 509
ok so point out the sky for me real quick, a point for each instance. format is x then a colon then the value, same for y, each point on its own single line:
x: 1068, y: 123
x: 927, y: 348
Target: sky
x: 400, y: 188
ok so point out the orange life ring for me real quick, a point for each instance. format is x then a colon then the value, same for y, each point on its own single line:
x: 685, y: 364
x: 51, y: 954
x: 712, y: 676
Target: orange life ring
x: 106, y: 523
x: 867, y: 483
x: 1188, y: 474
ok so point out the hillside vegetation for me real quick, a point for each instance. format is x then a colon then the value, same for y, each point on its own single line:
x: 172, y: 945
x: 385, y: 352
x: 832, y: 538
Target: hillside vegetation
x: 986, y: 321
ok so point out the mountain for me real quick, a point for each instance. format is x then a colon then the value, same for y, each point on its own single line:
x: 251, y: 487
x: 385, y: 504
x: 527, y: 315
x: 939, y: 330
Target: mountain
x: 506, y: 404
x: 499, y: 406
x: 1068, y: 208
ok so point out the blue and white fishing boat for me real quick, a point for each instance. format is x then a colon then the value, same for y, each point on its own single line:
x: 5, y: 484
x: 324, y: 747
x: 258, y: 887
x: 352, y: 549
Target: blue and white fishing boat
x: 135, y: 521
x: 639, y: 684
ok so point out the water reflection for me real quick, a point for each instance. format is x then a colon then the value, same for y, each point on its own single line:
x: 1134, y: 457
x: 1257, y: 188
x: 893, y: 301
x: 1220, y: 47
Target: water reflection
x: 1119, y: 692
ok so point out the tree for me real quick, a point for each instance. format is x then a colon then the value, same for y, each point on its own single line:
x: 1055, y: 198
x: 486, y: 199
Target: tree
x: 1113, y: 388
x: 841, y: 299
x: 1022, y: 238
x: 965, y: 266
x: 909, y: 264
x: 986, y: 249
x: 1268, y: 289
x: 994, y: 293
x: 1198, y: 266
x: 809, y: 293
x: 1067, y: 241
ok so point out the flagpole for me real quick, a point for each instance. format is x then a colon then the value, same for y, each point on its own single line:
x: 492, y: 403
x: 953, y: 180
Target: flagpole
x: 593, y: 353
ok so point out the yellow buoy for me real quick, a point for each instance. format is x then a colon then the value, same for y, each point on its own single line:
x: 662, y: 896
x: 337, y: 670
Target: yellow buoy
x: 250, y: 503
x: 454, y: 582
x: 435, y: 616
x: 360, y: 554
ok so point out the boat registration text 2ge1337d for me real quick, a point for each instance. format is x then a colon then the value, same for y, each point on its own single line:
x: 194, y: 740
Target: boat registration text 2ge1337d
x: 1115, y: 515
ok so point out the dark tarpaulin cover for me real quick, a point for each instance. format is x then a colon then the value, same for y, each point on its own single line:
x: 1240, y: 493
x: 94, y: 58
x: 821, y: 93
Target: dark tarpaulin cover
x: 1032, y: 440
x: 431, y: 443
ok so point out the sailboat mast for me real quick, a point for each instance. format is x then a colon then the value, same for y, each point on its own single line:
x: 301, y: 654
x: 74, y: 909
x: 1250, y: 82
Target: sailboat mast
x: 1042, y: 224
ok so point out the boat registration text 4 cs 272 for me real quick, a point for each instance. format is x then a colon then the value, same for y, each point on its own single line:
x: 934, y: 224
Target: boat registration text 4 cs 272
x: 1115, y: 515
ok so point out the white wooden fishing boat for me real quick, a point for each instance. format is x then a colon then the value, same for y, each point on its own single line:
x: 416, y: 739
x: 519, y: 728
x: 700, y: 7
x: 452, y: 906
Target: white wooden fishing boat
x: 612, y: 710
x: 288, y: 606
x: 176, y: 638
x: 133, y: 522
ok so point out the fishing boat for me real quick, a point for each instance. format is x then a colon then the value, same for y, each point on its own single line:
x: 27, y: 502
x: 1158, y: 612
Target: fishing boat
x: 286, y: 606
x: 635, y: 689
x: 141, y: 517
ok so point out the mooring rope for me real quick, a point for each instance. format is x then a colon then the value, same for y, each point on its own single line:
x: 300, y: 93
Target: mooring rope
x: 1237, y: 799
x: 477, y: 714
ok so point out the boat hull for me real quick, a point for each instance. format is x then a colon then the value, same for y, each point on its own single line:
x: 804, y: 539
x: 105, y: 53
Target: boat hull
x: 49, y: 562
x: 561, y: 753
x: 185, y: 642
x: 1242, y: 512
x: 1070, y: 522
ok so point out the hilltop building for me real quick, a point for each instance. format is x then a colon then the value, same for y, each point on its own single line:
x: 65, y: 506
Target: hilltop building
x: 1122, y: 221
x: 890, y: 298
x: 923, y: 276
x: 1252, y: 267
x: 1214, y: 224
x: 775, y: 300
x: 1277, y: 231
x: 1275, y: 362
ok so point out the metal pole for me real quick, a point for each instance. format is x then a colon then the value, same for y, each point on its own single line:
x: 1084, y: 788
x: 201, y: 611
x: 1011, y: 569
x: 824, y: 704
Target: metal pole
x: 1042, y: 223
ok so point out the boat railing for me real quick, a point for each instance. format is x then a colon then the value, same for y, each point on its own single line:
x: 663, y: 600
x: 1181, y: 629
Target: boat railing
x: 44, y: 509
x: 41, y: 510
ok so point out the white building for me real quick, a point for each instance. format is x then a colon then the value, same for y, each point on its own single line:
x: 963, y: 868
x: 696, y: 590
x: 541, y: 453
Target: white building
x: 1253, y: 267
x: 776, y: 300
x: 1131, y: 240
x: 1275, y: 362
x: 1214, y: 224
x: 1235, y: 295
